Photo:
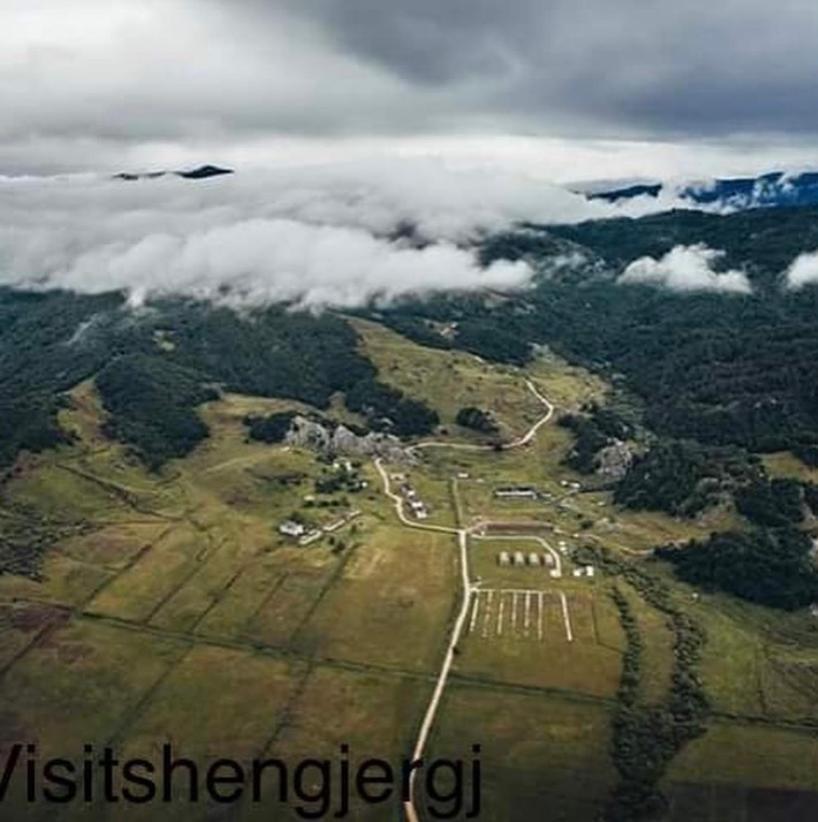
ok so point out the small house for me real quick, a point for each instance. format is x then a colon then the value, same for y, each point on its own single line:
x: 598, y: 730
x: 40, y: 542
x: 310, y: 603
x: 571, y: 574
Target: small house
x: 291, y: 528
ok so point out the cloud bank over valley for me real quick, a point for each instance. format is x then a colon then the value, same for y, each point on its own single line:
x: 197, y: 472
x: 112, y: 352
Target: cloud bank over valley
x: 321, y: 236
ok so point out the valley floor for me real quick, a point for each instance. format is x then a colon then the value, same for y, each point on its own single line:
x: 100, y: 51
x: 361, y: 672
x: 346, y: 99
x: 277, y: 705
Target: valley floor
x: 172, y: 610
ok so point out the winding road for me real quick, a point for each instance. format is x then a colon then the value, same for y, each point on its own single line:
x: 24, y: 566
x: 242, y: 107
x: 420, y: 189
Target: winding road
x: 467, y: 586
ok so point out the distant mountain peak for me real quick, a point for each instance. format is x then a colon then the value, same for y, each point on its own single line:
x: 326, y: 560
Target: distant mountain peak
x: 199, y: 173
x: 202, y: 172
x: 770, y: 190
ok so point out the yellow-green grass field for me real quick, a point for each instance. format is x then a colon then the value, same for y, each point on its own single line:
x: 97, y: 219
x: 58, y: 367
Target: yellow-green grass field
x: 510, y: 638
x: 450, y: 380
x: 786, y: 464
x: 397, y: 577
x: 374, y: 714
x: 182, y: 615
x: 542, y: 756
x: 733, y: 753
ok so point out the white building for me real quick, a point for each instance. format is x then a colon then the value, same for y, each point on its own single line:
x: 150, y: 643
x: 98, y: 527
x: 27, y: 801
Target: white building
x: 503, y: 558
x: 291, y: 528
x: 533, y: 558
x: 310, y: 537
x: 519, y: 558
x: 515, y: 492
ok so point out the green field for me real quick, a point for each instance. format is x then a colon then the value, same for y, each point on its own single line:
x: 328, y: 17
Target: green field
x: 178, y: 613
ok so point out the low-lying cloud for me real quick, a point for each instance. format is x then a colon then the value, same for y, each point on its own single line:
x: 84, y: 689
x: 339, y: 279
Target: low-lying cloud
x: 267, y: 261
x: 317, y: 236
x: 803, y: 271
x: 686, y: 268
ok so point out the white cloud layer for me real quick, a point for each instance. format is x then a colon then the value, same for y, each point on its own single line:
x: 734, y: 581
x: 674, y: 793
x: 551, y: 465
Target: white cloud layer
x: 803, y: 271
x: 317, y: 236
x: 686, y: 268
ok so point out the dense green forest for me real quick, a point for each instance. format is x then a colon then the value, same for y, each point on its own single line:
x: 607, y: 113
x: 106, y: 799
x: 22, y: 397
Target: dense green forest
x: 774, y: 503
x: 152, y: 406
x: 154, y: 366
x: 388, y: 409
x: 271, y: 428
x: 684, y: 478
x: 772, y: 567
x: 722, y: 369
x: 720, y: 377
x: 593, y: 429
x: 48, y: 343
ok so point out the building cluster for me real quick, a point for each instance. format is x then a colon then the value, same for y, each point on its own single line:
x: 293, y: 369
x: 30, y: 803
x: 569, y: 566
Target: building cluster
x: 413, y: 502
x: 305, y: 535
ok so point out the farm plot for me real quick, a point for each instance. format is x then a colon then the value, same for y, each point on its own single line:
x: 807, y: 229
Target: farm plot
x: 537, y: 751
x: 542, y: 638
x: 395, y: 579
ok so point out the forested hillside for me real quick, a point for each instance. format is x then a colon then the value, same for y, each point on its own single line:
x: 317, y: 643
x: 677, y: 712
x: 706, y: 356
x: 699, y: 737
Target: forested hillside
x: 723, y: 369
x: 154, y: 366
x: 720, y: 377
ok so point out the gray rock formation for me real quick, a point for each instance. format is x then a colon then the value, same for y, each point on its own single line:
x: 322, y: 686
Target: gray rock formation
x: 613, y: 461
x: 317, y: 436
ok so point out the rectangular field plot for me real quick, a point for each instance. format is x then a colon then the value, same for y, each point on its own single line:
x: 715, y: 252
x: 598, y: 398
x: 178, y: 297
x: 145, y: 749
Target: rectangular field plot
x: 390, y: 605
x: 519, y: 613
x: 81, y: 681
x: 80, y: 684
x: 114, y: 546
x: 375, y: 715
x: 215, y: 703
x: 285, y: 609
x: 208, y: 582
x: 542, y: 757
x: 241, y: 600
x: 753, y: 756
x: 540, y: 637
x: 141, y: 589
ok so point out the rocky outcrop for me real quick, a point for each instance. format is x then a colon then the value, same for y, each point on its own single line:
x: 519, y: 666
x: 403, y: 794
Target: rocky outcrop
x: 319, y: 436
x: 612, y: 461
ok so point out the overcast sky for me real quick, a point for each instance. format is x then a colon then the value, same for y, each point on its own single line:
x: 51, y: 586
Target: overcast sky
x: 565, y: 89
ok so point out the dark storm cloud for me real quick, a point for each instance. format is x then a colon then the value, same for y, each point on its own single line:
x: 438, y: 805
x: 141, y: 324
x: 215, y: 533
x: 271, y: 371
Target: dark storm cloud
x: 696, y: 67
x: 95, y: 83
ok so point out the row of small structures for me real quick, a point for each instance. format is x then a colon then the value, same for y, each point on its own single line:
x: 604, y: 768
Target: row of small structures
x: 532, y: 559
x: 520, y: 559
x: 299, y: 531
x: 416, y: 505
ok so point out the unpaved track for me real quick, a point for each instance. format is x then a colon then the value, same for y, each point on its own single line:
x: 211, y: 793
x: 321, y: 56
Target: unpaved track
x: 467, y: 586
